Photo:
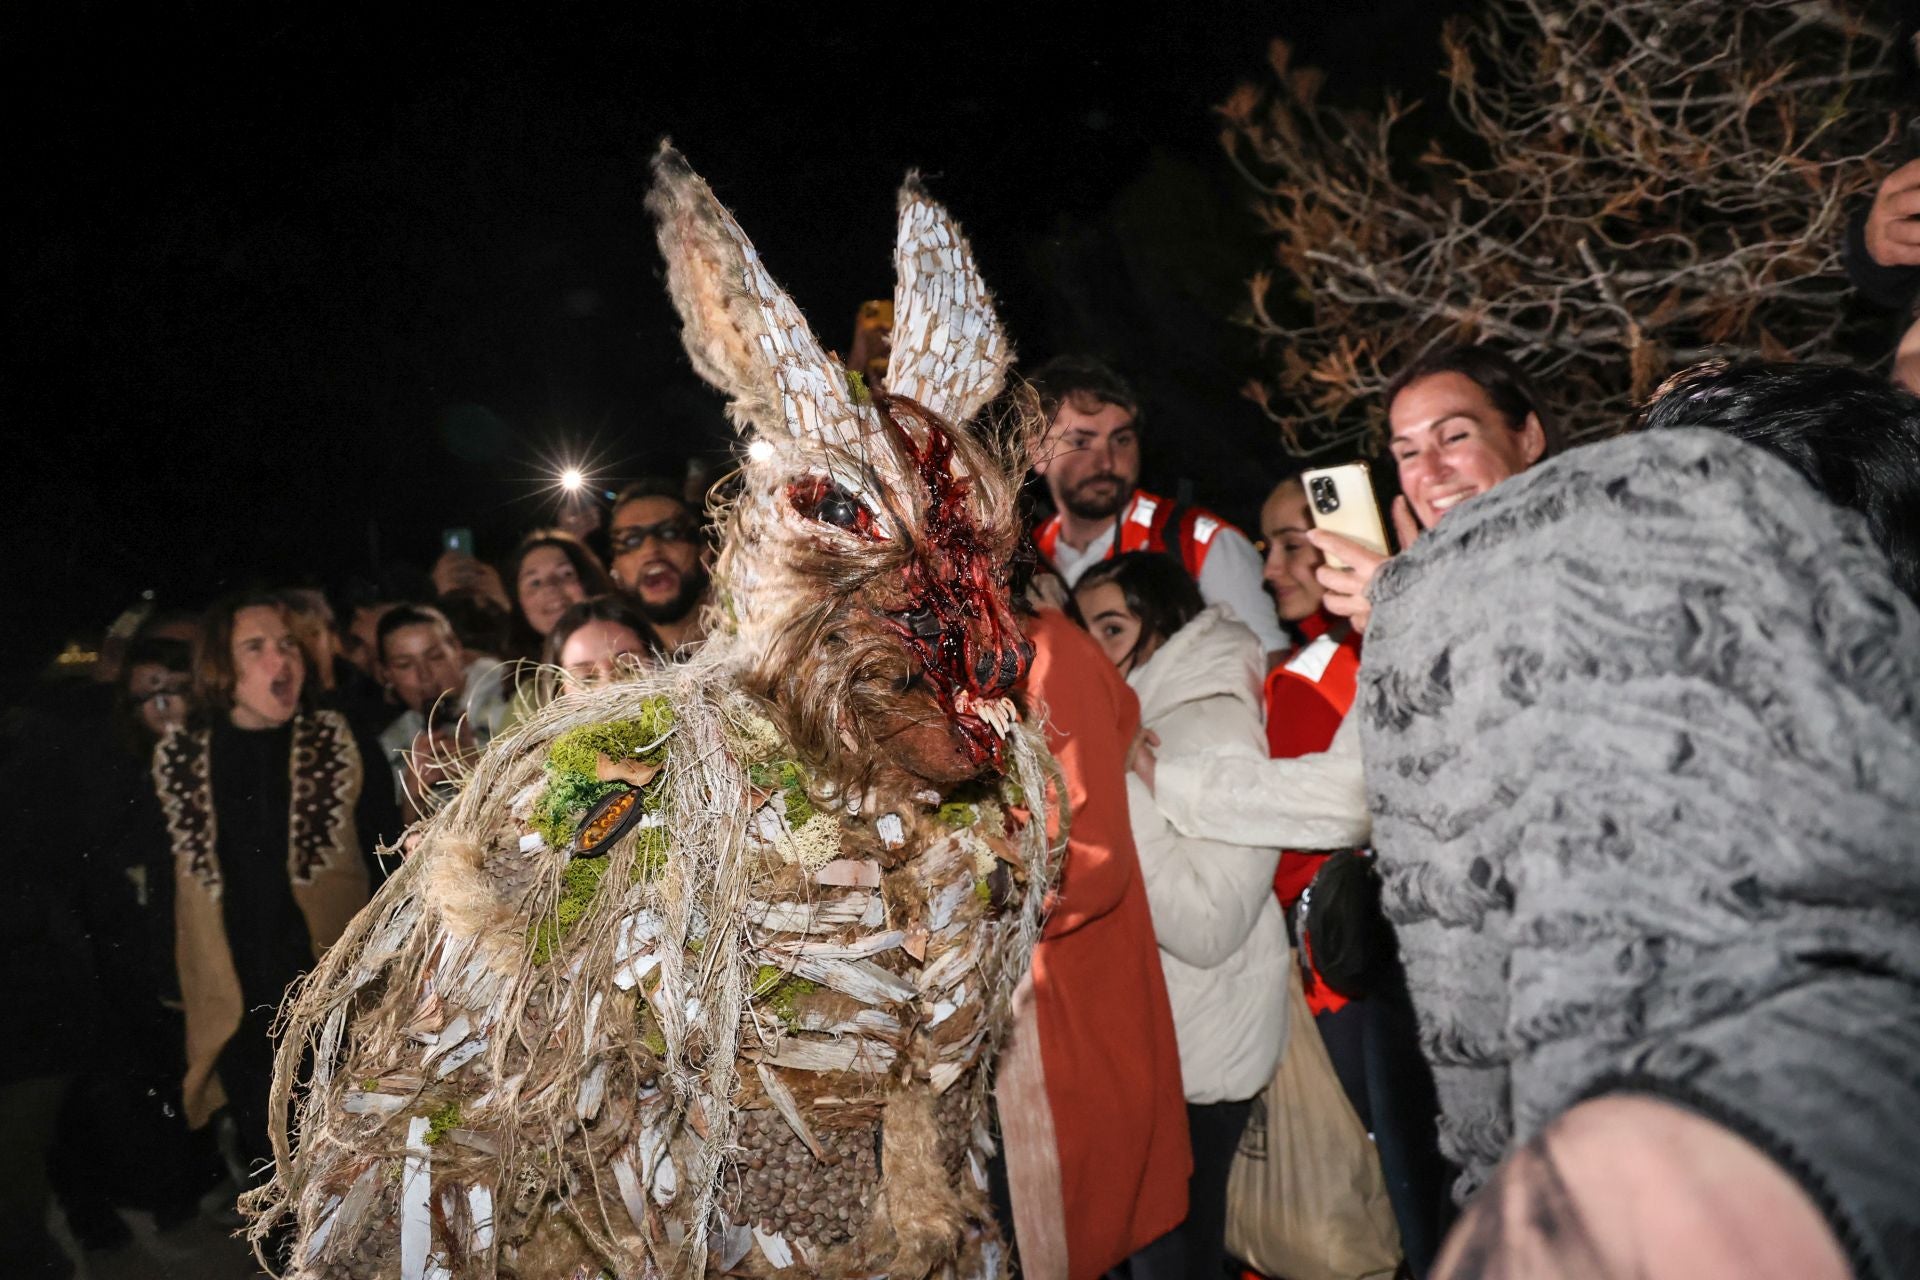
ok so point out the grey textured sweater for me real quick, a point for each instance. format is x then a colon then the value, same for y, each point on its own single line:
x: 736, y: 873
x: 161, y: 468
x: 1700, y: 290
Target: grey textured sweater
x: 1642, y: 740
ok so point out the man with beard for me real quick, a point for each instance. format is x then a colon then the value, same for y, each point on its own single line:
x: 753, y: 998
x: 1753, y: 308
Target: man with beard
x: 659, y: 559
x: 1090, y: 461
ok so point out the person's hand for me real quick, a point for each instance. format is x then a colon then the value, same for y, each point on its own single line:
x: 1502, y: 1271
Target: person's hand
x: 1140, y: 756
x: 458, y: 571
x: 1893, y: 224
x: 436, y: 756
x: 1347, y: 588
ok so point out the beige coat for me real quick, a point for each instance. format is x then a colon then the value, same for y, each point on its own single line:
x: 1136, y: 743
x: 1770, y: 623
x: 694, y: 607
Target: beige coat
x: 323, y: 860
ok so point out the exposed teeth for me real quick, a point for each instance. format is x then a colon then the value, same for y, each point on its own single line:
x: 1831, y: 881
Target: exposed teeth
x: 1441, y: 504
x: 999, y: 714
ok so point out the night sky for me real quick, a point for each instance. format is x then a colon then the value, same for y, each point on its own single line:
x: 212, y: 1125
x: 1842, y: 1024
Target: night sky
x: 295, y: 288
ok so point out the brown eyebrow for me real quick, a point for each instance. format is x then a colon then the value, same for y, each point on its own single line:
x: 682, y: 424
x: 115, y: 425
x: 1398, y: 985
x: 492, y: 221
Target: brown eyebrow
x: 1112, y: 613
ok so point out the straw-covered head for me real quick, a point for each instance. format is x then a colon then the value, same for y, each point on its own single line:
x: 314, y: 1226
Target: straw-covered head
x: 862, y: 577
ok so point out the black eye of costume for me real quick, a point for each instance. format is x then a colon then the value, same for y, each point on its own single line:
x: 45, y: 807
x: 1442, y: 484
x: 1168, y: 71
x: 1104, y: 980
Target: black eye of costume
x: 838, y: 508
x: 819, y: 498
x: 922, y: 622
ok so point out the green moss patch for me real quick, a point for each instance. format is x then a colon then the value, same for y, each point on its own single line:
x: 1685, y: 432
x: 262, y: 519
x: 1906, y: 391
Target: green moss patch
x: 789, y: 778
x: 777, y: 991
x: 441, y: 1121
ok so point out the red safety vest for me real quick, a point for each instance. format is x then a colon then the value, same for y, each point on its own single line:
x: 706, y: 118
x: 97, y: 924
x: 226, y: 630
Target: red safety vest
x: 1308, y: 696
x: 1145, y: 524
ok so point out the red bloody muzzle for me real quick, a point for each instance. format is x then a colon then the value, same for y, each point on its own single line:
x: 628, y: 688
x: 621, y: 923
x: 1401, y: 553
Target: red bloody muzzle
x: 960, y: 624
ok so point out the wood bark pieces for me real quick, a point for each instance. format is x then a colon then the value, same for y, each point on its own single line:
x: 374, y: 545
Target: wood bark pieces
x: 867, y: 1021
x: 827, y: 916
x: 593, y: 1090
x: 858, y: 949
x: 773, y: 1248
x: 449, y: 1038
x: 867, y: 1057
x: 864, y: 980
x: 631, y: 1193
x: 849, y: 872
x: 416, y: 1215
x: 727, y: 1245
x: 946, y: 903
x: 950, y: 966
x: 470, y: 1049
x: 480, y: 1213
x: 782, y: 1099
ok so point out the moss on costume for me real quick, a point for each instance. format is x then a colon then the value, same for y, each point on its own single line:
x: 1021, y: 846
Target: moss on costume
x: 579, y: 882
x: 777, y: 991
x: 440, y: 1121
x: 790, y: 780
x: 579, y: 750
x: 573, y: 769
x: 557, y: 813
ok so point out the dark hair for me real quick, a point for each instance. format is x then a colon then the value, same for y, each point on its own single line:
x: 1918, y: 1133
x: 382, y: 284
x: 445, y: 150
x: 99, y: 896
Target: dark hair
x: 144, y: 650
x: 661, y: 487
x: 608, y: 608
x: 1505, y: 382
x: 213, y: 673
x: 653, y: 487
x: 408, y: 615
x: 1065, y: 379
x: 1855, y: 437
x: 482, y: 625
x: 592, y: 574
x: 1157, y: 591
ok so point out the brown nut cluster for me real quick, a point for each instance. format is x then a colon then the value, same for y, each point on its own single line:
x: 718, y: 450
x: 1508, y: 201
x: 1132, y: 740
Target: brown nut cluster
x: 784, y: 1189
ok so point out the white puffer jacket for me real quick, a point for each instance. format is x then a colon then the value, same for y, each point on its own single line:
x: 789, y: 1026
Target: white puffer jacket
x: 1222, y: 941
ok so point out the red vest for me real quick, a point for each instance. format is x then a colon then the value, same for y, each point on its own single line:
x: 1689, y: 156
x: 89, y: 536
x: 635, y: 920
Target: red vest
x: 1151, y: 523
x: 1308, y: 696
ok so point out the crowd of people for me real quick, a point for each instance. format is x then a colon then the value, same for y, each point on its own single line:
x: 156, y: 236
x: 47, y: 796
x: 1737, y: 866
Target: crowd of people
x: 235, y: 784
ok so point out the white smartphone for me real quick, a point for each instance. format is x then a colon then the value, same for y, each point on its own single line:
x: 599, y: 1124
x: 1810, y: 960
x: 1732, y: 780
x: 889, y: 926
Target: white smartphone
x: 1340, y: 500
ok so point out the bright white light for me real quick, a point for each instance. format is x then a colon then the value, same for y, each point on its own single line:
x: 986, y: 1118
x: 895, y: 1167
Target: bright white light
x: 571, y: 479
x: 760, y: 450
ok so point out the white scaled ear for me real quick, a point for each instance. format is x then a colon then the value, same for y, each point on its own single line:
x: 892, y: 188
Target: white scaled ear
x: 742, y: 332
x: 949, y: 352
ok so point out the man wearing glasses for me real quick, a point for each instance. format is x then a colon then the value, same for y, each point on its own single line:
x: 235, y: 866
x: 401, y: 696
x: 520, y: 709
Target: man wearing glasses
x: 660, y: 559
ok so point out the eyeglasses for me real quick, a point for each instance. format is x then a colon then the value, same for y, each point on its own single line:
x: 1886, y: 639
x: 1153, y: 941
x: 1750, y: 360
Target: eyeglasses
x: 631, y: 537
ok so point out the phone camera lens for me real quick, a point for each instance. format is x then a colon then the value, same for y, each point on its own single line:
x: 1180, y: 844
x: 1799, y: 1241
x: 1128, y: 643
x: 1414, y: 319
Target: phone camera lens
x: 1326, y: 499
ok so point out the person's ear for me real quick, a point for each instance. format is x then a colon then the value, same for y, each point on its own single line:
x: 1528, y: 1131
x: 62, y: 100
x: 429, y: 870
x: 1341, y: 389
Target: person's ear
x: 1533, y: 439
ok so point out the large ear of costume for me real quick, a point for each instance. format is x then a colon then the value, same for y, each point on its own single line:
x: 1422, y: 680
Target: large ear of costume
x: 948, y: 351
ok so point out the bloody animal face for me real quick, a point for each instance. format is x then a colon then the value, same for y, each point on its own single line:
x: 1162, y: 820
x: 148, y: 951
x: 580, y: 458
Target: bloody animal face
x: 927, y: 644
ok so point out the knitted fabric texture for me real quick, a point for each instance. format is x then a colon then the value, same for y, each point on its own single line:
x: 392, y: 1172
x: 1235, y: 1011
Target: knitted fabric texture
x: 1643, y: 755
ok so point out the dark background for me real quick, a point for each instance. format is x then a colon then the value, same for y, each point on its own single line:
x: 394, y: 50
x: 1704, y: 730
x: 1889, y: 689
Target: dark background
x: 292, y: 289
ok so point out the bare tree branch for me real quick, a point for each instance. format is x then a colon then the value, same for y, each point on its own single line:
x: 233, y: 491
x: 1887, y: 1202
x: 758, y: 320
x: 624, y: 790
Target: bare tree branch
x: 1641, y: 184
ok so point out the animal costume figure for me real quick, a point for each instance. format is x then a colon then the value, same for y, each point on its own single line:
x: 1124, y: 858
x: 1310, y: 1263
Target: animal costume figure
x: 701, y: 972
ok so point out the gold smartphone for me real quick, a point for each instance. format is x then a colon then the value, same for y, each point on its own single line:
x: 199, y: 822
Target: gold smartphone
x: 1340, y: 500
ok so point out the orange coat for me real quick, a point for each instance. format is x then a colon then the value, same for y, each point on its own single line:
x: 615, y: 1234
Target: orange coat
x: 1105, y: 1043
